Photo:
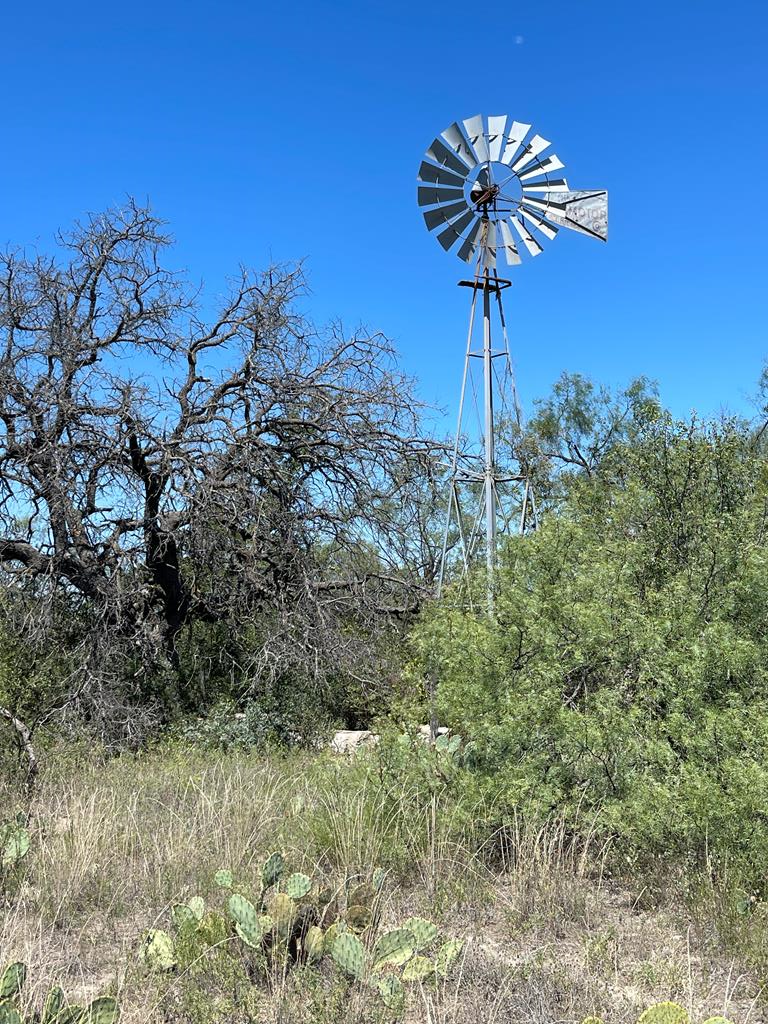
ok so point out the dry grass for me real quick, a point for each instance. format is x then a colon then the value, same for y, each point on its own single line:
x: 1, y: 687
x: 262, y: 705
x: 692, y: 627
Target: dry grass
x: 549, y: 938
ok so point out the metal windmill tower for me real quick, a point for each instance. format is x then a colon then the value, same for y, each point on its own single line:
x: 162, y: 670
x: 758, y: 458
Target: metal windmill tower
x: 485, y: 190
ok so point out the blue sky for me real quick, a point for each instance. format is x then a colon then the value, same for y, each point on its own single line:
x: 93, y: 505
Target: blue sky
x: 269, y: 131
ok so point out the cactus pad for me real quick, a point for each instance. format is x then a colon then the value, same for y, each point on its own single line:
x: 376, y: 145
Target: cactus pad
x: 592, y: 1020
x: 394, y: 948
x: 664, y: 1013
x: 12, y: 980
x: 337, y: 928
x: 224, y: 878
x: 52, y: 1006
x: 717, y: 1020
x: 212, y: 929
x: 101, y: 1011
x: 392, y: 993
x: 423, y: 931
x: 197, y: 906
x: 183, y: 917
x: 447, y: 955
x: 378, y: 879
x: 14, y: 845
x: 418, y: 968
x: 272, y: 870
x: 243, y: 913
x: 358, y: 918
x: 282, y: 910
x: 348, y: 952
x: 361, y: 896
x: 158, y: 950
x: 297, y: 885
x: 9, y: 1014
x: 314, y: 944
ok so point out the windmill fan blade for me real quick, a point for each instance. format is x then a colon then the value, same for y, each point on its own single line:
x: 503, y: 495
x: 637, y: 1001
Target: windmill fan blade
x: 530, y: 152
x: 473, y: 126
x: 556, y: 185
x: 444, y: 156
x: 510, y: 249
x: 444, y: 214
x: 428, y: 172
x: 484, y: 178
x: 515, y: 136
x: 459, y: 145
x: 543, y: 227
x: 452, y: 233
x: 496, y: 125
x: 430, y: 194
x: 490, y: 246
x: 529, y: 241
x: 470, y: 243
x: 552, y: 163
x: 585, y: 212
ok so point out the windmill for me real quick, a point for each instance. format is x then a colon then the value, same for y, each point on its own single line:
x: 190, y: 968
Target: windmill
x: 488, y: 194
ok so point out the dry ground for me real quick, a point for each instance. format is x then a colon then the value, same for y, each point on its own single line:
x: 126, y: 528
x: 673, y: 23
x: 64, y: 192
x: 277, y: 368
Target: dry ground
x: 549, y: 937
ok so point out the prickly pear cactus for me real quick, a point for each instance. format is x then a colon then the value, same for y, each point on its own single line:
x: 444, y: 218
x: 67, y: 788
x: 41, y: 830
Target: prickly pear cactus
x: 664, y: 1013
x: 393, y: 948
x: 392, y: 993
x: 9, y: 1014
x: 717, y: 1020
x: 224, y: 878
x: 418, y: 968
x: 333, y: 931
x: 14, y: 844
x: 101, y: 1011
x: 297, y: 885
x: 53, y: 1005
x: 423, y: 931
x: 243, y: 913
x: 197, y: 906
x: 592, y: 1020
x: 272, y: 870
x: 12, y: 980
x: 348, y: 952
x: 183, y: 917
x: 158, y: 950
x: 361, y: 896
x: 378, y: 879
x: 314, y: 943
x: 447, y: 955
x: 282, y: 910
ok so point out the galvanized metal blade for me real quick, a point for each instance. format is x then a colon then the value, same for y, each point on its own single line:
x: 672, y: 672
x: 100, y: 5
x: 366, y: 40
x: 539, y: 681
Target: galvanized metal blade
x: 536, y: 220
x: 428, y: 172
x: 456, y: 139
x: 585, y: 212
x: 510, y: 249
x: 444, y: 156
x: 515, y: 136
x: 552, y: 163
x: 444, y: 214
x: 555, y: 185
x: 533, y: 247
x: 431, y: 194
x: 450, y: 236
x: 467, y: 249
x: 474, y: 128
x: 496, y: 125
x: 530, y: 152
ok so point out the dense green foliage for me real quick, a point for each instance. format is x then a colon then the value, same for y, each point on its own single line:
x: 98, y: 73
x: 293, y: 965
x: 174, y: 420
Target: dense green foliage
x: 625, y: 675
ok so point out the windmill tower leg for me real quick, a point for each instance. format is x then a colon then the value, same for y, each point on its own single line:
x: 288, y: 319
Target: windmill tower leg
x: 490, y: 459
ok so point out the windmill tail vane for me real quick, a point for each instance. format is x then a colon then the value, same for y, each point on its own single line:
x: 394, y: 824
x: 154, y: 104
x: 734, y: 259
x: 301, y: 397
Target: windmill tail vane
x: 488, y: 190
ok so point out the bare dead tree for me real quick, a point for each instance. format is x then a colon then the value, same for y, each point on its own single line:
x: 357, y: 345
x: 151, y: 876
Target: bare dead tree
x: 160, y: 468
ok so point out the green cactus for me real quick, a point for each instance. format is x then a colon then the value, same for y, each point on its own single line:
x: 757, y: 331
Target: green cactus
x: 266, y: 923
x: 314, y: 943
x: 9, y: 1014
x: 101, y: 1011
x: 361, y: 896
x: 592, y: 1020
x: 446, y: 956
x: 378, y: 879
x: 197, y: 906
x: 349, y: 954
x: 183, y: 917
x: 333, y: 931
x: 664, y: 1013
x: 393, y: 948
x: 297, y: 885
x: 282, y: 910
x: 14, y: 844
x: 212, y: 929
x: 358, y: 918
x: 12, y: 980
x: 158, y: 950
x: 423, y: 931
x: 392, y: 993
x: 53, y: 1005
x: 717, y: 1020
x: 71, y: 1014
x: 247, y: 926
x: 224, y: 878
x: 272, y: 870
x: 418, y: 969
